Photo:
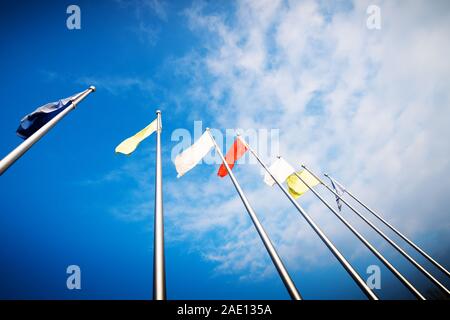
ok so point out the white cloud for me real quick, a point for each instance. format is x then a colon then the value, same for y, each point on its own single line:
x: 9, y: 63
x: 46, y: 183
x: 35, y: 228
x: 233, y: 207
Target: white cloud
x: 370, y: 106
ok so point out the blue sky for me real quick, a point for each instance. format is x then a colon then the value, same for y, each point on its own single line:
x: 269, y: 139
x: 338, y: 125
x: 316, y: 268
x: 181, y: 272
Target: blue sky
x: 368, y: 106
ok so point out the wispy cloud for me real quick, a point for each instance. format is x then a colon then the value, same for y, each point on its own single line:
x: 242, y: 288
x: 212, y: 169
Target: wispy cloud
x: 366, y: 105
x: 117, y: 85
x: 145, y: 8
x: 145, y: 11
x: 369, y: 106
x: 158, y: 7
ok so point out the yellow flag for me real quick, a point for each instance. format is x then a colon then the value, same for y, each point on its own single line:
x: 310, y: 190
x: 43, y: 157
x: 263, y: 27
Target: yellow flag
x: 129, y: 145
x: 297, y: 187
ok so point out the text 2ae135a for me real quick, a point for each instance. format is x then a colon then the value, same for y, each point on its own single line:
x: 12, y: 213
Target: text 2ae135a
x: 232, y: 309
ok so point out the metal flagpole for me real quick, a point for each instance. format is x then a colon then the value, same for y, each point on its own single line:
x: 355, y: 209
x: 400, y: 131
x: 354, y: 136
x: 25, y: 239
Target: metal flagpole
x: 159, y: 273
x: 14, y: 155
x: 347, y: 266
x: 385, y: 237
x: 367, y: 243
x: 410, y: 242
x: 289, y: 284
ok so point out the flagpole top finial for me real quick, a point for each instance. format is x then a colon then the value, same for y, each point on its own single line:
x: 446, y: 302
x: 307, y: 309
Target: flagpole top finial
x: 158, y: 111
x: 326, y: 175
x: 92, y: 88
x: 207, y: 129
x: 303, y: 166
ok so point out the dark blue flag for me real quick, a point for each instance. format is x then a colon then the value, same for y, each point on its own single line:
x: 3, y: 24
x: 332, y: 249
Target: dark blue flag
x: 39, y: 117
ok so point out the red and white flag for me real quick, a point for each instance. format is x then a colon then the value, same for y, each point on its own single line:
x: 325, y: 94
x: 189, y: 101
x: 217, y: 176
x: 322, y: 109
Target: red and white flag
x: 237, y: 150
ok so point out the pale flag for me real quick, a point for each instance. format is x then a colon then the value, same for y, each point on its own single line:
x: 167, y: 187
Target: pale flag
x: 280, y: 169
x: 189, y: 158
x: 339, y: 189
x: 297, y: 187
x: 129, y: 145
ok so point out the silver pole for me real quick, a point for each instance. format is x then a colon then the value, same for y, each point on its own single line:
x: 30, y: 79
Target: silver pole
x: 412, y: 244
x: 14, y: 155
x: 347, y: 266
x: 282, y: 271
x: 385, y: 237
x: 159, y: 274
x: 367, y: 243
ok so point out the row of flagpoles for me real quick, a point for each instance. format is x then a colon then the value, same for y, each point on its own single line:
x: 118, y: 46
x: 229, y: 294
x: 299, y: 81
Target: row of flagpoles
x: 35, y: 125
x: 298, y: 183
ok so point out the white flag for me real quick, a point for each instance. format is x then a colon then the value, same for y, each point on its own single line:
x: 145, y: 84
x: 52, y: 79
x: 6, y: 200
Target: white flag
x: 280, y: 169
x: 189, y: 158
x: 339, y: 189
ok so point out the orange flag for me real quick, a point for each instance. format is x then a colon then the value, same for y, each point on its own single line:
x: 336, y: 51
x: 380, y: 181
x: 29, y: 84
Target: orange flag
x: 236, y: 152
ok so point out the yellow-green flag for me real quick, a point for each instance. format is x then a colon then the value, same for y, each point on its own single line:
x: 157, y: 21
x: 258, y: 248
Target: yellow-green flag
x: 129, y: 145
x: 297, y: 187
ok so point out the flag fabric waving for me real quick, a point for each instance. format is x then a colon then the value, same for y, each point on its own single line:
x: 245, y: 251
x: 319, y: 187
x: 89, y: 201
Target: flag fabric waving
x: 237, y: 150
x: 280, y: 169
x: 38, y: 118
x: 339, y: 189
x: 130, y: 144
x: 296, y: 187
x: 189, y: 158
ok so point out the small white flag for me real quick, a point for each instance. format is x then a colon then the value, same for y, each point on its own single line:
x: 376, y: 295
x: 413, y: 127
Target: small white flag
x: 280, y: 169
x: 339, y: 189
x: 189, y: 158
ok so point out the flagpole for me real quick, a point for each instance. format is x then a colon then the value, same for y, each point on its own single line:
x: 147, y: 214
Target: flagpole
x: 282, y: 271
x: 19, y: 151
x: 366, y: 243
x: 347, y: 266
x: 159, y: 273
x: 410, y: 242
x: 385, y: 237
